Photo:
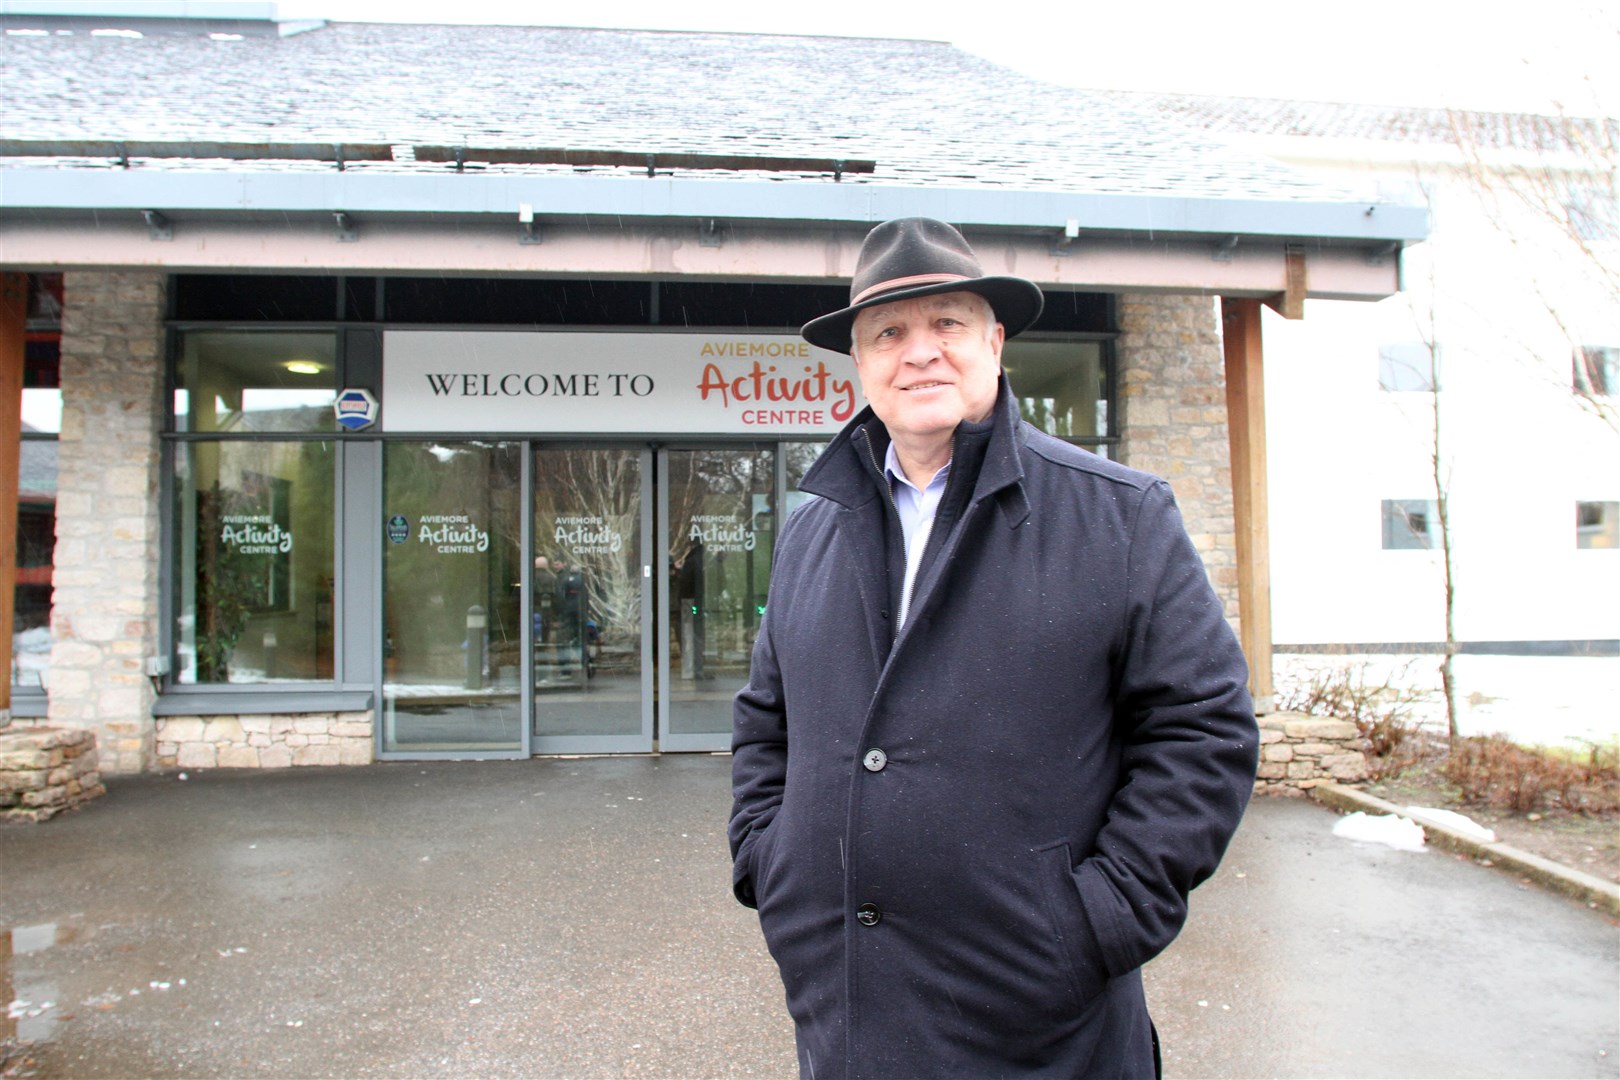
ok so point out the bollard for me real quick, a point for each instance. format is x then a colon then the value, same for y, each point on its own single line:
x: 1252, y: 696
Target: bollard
x: 477, y: 621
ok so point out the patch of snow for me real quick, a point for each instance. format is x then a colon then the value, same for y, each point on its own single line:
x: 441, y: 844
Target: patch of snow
x: 1457, y: 822
x: 1402, y: 834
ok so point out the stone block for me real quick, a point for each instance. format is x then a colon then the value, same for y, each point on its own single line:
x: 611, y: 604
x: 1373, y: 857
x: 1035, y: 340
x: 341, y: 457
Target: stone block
x: 1315, y: 749
x: 317, y: 755
x: 310, y: 725
x: 16, y: 760
x: 275, y: 757
x: 197, y: 755
x: 1276, y: 722
x: 255, y: 725
x: 352, y: 729
x: 12, y: 782
x: 355, y: 752
x: 1277, y: 752
x: 1272, y: 770
x: 1301, y: 770
x: 47, y: 796
x: 182, y: 729
x: 1346, y: 766
x: 295, y: 740
x: 1317, y: 728
x: 223, y: 729
x: 258, y: 739
x: 238, y: 757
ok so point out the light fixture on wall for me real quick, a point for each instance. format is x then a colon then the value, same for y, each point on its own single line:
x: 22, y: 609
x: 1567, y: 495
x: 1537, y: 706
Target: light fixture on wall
x: 303, y: 367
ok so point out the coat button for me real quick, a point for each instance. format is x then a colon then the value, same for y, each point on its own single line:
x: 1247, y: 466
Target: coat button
x: 874, y: 760
x: 868, y: 915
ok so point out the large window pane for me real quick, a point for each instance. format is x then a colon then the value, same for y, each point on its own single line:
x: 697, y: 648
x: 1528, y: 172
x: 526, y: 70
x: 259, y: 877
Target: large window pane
x: 255, y: 551
x: 588, y: 592
x: 247, y: 382
x: 452, y: 597
x: 1062, y: 386
x: 722, y: 529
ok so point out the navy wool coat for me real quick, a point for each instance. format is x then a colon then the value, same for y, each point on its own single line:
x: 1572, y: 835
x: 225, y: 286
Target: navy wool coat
x: 965, y: 839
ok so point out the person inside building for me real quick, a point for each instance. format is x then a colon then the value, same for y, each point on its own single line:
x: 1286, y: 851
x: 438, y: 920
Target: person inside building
x: 996, y: 727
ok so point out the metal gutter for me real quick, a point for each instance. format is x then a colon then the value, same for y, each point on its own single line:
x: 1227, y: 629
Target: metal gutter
x: 444, y: 194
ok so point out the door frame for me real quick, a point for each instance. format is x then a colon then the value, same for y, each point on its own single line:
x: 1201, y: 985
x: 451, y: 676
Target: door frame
x: 639, y: 742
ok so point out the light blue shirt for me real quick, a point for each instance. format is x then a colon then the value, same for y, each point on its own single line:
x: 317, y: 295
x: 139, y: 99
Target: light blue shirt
x: 917, y: 507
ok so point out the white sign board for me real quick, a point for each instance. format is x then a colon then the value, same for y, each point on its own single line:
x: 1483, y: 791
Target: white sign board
x: 571, y: 383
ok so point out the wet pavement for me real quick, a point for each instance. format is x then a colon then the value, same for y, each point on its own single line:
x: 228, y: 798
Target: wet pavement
x: 573, y: 918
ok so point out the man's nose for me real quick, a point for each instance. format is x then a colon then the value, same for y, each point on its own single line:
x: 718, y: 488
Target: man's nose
x: 920, y: 350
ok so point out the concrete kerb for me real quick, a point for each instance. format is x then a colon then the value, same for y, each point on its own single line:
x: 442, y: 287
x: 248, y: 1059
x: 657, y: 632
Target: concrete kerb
x: 1557, y: 877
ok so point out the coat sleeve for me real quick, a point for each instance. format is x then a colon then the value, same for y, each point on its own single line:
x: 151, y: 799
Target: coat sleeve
x: 1190, y: 743
x: 759, y: 760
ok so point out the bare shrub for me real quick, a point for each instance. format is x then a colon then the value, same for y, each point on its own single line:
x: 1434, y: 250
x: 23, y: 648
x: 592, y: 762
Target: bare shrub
x: 1495, y: 771
x: 1384, y: 710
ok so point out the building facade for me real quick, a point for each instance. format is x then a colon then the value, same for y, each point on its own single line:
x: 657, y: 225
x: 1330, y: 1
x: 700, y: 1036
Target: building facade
x: 1489, y: 382
x: 389, y: 427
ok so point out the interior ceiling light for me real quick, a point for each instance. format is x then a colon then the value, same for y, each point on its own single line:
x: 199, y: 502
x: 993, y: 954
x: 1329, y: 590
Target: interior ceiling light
x: 303, y: 367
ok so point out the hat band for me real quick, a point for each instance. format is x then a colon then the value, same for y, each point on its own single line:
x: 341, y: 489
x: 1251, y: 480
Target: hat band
x: 906, y: 283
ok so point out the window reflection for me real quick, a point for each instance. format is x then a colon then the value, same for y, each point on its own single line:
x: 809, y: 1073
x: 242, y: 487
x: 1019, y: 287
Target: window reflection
x: 242, y: 382
x: 256, y: 558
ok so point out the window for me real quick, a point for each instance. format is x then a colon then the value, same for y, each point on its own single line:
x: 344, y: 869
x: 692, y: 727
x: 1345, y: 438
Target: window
x: 1409, y: 523
x: 36, y: 481
x: 1594, y: 213
x: 1407, y: 365
x: 1597, y: 525
x: 1597, y: 369
x: 255, y: 484
x: 1062, y: 388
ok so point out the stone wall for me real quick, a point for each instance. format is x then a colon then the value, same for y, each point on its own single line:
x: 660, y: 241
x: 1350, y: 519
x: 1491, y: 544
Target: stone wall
x: 44, y: 771
x: 104, y: 603
x: 264, y: 742
x: 1172, y: 400
x: 1297, y: 752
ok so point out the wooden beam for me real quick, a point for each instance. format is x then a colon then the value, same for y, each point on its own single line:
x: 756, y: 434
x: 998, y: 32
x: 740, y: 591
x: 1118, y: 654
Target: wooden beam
x: 13, y: 348
x: 1290, y: 303
x: 1246, y: 427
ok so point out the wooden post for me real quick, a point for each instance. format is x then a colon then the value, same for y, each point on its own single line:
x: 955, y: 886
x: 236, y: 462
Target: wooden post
x: 1246, y: 427
x: 13, y: 348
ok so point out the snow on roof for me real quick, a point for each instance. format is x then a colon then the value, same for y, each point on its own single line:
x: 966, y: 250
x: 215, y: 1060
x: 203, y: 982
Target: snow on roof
x: 927, y: 113
x: 1377, y: 123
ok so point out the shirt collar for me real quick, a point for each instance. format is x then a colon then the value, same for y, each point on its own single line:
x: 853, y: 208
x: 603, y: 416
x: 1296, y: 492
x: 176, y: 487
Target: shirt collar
x: 894, y: 473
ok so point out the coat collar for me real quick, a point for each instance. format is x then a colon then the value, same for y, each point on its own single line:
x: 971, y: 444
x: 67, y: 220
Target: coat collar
x: 850, y: 471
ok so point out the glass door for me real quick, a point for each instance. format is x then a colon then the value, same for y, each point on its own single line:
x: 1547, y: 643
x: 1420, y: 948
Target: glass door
x: 717, y: 529
x: 453, y: 637
x: 590, y: 601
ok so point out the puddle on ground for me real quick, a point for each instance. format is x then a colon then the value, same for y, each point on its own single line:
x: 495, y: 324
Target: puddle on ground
x: 32, y: 1002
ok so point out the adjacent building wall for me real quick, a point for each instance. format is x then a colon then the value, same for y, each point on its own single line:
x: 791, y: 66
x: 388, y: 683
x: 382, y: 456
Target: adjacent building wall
x: 105, y: 602
x: 1172, y: 400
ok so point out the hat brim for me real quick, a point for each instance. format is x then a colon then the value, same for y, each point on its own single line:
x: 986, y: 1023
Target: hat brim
x: 1016, y: 301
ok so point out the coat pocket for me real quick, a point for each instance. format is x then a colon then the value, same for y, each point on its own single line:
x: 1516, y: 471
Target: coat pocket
x: 1071, y: 929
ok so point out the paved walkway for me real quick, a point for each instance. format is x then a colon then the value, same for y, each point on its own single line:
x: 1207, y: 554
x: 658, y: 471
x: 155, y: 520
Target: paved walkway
x: 573, y: 918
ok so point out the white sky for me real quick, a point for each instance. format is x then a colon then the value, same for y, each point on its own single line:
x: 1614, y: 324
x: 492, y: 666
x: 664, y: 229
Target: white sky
x: 1511, y: 56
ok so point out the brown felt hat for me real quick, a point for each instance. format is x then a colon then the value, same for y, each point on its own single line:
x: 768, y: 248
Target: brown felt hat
x: 910, y: 257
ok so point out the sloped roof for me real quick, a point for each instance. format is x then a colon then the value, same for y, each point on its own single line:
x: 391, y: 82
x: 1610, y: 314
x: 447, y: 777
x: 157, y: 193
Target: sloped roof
x: 927, y: 113
x: 1487, y: 131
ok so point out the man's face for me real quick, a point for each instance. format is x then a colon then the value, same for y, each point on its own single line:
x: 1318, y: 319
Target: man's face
x: 929, y: 363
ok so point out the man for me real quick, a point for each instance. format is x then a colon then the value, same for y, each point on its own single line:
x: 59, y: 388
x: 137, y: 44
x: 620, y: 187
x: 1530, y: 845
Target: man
x: 996, y: 727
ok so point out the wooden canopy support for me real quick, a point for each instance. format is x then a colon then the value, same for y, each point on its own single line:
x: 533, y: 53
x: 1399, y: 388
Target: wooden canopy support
x: 1246, y: 425
x: 1290, y: 303
x: 13, y: 349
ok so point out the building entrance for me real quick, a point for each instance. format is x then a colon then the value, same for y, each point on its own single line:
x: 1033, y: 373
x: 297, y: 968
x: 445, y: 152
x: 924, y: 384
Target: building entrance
x: 641, y: 640
x: 615, y: 612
